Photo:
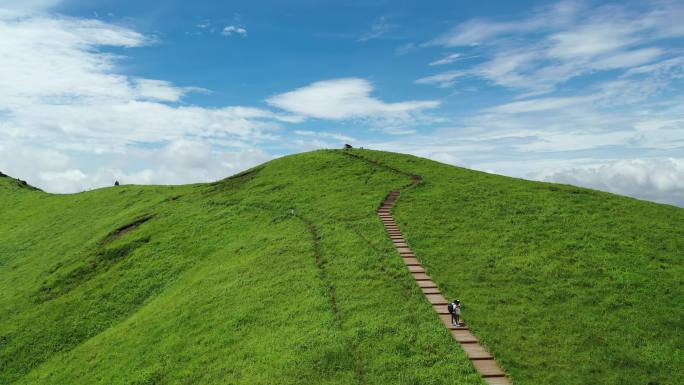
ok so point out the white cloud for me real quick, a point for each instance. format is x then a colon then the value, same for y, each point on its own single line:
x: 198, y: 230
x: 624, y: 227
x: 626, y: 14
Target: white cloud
x: 346, y: 98
x: 555, y: 44
x: 542, y: 104
x: 330, y: 135
x: 231, y: 30
x: 160, y: 90
x: 61, y: 90
x: 445, y: 79
x: 478, y: 31
x: 182, y: 161
x: 629, y: 59
x: 53, y: 59
x: 654, y: 179
x: 448, y: 59
x: 379, y: 27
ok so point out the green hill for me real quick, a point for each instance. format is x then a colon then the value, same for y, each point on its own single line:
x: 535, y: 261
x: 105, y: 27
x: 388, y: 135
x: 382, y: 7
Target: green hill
x: 220, y: 284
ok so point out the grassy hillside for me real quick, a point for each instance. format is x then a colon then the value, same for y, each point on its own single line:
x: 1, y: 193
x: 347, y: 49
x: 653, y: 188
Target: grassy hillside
x: 220, y: 284
x: 564, y: 285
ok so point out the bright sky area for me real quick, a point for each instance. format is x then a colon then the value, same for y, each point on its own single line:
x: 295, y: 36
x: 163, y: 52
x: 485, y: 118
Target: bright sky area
x: 164, y: 92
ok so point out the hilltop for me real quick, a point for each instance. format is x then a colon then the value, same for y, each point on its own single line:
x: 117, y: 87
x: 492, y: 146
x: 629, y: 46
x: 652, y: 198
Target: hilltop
x: 220, y: 283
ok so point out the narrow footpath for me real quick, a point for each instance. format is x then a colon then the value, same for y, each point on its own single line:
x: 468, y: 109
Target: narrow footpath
x: 482, y: 360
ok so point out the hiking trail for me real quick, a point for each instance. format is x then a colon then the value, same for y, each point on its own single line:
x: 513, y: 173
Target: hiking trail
x: 481, y: 359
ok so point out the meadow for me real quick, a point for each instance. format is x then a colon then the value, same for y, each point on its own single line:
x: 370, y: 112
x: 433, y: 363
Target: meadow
x: 564, y: 285
x: 284, y: 274
x: 218, y: 284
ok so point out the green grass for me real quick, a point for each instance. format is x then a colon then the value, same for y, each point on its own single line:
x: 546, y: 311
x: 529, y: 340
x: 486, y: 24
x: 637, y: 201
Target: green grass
x: 564, y: 285
x: 219, y: 284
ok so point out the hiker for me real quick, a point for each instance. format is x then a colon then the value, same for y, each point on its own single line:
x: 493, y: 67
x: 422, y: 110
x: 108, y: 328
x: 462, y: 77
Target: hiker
x: 455, y: 311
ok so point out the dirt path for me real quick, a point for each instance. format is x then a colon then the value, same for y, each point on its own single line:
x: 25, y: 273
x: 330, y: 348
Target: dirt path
x: 482, y: 360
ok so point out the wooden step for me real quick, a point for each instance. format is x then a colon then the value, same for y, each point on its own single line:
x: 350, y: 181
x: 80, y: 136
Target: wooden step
x: 430, y: 290
x: 426, y: 284
x: 463, y: 336
x: 441, y: 310
x: 488, y: 368
x: 445, y: 316
x: 421, y: 276
x: 460, y: 327
x: 435, y: 299
x: 497, y: 381
x: 482, y: 360
x: 476, y: 352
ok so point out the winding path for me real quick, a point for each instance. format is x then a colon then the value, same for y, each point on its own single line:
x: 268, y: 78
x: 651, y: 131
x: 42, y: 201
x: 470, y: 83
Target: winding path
x: 479, y: 356
x: 482, y: 360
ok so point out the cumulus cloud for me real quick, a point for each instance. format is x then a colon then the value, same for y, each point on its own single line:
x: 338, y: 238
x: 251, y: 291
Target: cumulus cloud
x: 180, y: 161
x: 346, y: 98
x: 653, y: 179
x: 237, y: 30
x: 60, y: 89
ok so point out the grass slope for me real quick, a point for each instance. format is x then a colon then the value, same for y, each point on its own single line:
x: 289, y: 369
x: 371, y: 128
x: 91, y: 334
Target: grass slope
x: 219, y: 284
x: 564, y: 285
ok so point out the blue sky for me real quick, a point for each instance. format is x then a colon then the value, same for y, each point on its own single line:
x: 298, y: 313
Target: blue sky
x: 580, y: 92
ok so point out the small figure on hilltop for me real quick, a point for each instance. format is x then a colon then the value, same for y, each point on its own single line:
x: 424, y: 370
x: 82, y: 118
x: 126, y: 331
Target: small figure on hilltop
x: 116, y: 183
x: 455, y: 311
x: 292, y: 211
x: 348, y: 146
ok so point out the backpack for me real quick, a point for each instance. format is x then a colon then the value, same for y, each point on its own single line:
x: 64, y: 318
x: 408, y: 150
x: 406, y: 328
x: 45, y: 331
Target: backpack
x: 450, y: 307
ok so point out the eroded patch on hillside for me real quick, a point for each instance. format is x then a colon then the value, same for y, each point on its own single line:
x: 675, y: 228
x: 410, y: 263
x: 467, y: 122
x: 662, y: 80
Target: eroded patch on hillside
x: 237, y: 180
x: 64, y: 278
x: 123, y: 230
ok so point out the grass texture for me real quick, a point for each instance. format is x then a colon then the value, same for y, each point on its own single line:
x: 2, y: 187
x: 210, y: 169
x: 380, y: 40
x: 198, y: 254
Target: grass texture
x: 220, y: 283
